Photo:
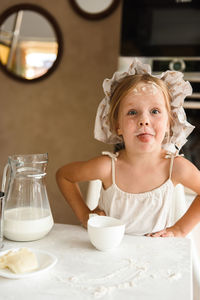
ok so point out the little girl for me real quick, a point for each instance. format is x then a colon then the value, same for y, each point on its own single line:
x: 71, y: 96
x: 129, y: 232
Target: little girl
x: 145, y: 114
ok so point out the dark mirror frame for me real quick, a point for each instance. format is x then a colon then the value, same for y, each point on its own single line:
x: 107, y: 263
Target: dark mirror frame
x: 94, y: 16
x: 55, y: 27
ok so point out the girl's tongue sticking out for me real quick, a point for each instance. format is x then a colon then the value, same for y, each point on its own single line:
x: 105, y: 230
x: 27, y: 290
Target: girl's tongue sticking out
x: 145, y: 137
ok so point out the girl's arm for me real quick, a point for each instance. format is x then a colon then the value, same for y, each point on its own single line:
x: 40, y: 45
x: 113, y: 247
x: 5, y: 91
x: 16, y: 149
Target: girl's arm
x: 68, y: 177
x: 187, y: 174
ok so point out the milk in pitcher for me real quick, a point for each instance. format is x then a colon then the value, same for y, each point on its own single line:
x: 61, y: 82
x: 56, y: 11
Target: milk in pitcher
x: 27, y: 223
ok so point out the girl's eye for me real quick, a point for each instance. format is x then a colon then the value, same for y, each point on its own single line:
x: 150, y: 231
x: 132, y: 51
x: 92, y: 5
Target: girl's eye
x: 155, y: 111
x: 132, y: 112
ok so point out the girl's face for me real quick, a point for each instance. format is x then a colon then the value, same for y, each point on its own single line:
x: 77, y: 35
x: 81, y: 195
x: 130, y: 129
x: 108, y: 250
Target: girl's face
x: 143, y: 118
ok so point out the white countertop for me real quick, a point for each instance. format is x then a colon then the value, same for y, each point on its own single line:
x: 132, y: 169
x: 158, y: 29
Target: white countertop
x: 140, y: 268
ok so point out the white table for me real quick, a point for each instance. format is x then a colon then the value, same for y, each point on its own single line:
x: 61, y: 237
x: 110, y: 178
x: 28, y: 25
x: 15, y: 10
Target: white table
x: 140, y: 268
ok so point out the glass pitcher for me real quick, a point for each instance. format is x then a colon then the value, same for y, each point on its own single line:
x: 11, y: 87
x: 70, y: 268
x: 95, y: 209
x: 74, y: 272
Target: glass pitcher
x: 27, y: 214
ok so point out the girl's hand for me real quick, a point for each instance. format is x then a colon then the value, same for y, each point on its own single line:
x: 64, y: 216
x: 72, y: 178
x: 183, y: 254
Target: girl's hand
x: 172, y: 231
x: 95, y: 211
x: 98, y: 211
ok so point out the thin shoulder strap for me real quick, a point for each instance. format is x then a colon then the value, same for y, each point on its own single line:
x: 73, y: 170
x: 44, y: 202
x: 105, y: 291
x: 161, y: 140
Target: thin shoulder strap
x: 172, y: 156
x: 113, y: 170
x: 171, y: 166
x: 113, y: 159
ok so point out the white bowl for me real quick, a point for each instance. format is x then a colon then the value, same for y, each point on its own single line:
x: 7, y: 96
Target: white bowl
x: 105, y: 233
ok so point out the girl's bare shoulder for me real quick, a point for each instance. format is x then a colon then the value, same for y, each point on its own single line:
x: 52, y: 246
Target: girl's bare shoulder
x: 185, y: 172
x: 181, y: 164
x: 102, y: 164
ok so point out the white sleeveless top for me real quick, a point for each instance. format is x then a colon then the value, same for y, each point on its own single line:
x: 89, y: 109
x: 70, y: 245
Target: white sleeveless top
x: 148, y: 212
x: 142, y: 213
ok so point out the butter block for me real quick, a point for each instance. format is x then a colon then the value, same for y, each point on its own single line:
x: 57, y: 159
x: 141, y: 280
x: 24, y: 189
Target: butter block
x: 20, y: 261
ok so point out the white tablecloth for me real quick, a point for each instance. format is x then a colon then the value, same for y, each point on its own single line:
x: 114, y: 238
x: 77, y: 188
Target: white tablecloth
x: 140, y: 268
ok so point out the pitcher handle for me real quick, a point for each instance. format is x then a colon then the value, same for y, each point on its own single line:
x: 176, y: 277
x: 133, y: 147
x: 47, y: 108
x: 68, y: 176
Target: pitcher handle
x: 4, y: 178
x: 2, y: 203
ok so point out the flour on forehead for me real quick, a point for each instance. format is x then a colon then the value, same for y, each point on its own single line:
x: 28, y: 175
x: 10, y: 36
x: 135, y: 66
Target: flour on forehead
x: 150, y: 88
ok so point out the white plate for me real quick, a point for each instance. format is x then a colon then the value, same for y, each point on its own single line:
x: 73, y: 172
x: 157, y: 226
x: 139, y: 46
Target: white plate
x: 45, y: 259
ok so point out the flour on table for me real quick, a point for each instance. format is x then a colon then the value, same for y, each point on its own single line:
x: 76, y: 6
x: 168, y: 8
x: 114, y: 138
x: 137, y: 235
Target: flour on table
x: 174, y: 275
x: 124, y: 277
x: 128, y: 275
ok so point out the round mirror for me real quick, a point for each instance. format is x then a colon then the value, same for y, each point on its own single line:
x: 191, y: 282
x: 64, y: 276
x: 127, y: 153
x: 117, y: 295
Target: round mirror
x: 30, y: 42
x: 94, y: 9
